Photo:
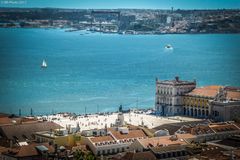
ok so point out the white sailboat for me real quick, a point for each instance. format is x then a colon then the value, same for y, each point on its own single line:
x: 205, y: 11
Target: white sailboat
x: 44, y: 64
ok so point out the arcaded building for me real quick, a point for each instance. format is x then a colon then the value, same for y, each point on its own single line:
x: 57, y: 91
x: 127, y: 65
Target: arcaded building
x: 196, y: 102
x: 178, y: 97
x: 215, y: 102
x: 169, y: 95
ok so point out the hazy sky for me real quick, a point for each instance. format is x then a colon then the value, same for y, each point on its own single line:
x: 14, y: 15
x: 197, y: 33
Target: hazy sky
x: 153, y: 4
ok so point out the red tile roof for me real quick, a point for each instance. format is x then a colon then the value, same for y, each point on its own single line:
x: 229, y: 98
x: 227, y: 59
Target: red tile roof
x: 18, y: 120
x: 197, y: 130
x: 223, y: 127
x: 234, y: 95
x: 27, y: 151
x: 4, y: 115
x: 237, y: 124
x: 207, y: 91
x: 119, y: 136
x: 20, y: 131
x: 165, y: 140
x: 5, y: 121
x: 213, y: 152
x: 148, y: 155
x: 131, y: 134
x: 211, y: 91
x: 3, y: 149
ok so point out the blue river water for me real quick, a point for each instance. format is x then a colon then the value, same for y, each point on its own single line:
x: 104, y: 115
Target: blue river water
x: 101, y: 71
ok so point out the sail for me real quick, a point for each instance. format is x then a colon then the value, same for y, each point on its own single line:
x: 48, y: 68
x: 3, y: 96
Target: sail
x: 44, y: 63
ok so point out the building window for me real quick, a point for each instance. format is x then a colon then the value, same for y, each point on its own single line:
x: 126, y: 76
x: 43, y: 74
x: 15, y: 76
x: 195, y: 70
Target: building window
x: 203, y: 112
x: 184, y: 111
x: 216, y: 113
x: 207, y: 113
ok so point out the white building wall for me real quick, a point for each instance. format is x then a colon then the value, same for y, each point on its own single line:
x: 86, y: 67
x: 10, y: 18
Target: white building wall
x: 136, y: 146
x: 169, y: 96
x: 107, y: 148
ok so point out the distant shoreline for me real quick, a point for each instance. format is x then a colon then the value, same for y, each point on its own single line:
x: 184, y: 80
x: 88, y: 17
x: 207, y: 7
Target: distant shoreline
x: 141, y: 110
x: 125, y: 21
x: 142, y: 34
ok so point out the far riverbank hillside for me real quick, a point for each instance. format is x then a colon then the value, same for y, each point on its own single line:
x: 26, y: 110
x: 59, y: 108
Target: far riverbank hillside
x: 124, y: 21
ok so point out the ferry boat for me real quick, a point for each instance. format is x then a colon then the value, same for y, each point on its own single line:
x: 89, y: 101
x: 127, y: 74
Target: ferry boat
x: 71, y: 30
x: 168, y: 46
x: 44, y: 64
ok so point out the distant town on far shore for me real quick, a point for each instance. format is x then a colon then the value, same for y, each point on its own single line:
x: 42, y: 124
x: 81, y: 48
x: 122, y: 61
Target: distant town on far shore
x: 124, y: 21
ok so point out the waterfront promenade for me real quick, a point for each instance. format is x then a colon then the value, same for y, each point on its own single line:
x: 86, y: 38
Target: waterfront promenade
x: 100, y: 121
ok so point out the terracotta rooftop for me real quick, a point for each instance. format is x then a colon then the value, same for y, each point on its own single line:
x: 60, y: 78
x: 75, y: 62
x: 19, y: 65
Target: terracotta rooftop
x: 27, y: 151
x: 117, y: 135
x: 3, y: 149
x: 214, y: 152
x: 237, y: 124
x: 165, y: 140
x: 148, y: 155
x: 223, y: 127
x: 174, y: 147
x: 234, y: 95
x: 23, y: 131
x: 211, y: 91
x: 4, y: 115
x: 173, y: 127
x: 131, y: 134
x: 185, y: 136
x: 17, y: 120
x: 207, y: 91
x: 5, y: 121
x: 197, y: 130
x: 237, y: 153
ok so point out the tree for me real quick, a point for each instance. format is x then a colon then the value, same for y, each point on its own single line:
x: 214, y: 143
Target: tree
x: 80, y: 155
x: 90, y: 156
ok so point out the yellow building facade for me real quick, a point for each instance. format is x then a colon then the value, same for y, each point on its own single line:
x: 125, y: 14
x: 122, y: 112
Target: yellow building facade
x: 60, y: 140
x: 196, y: 103
x: 196, y: 106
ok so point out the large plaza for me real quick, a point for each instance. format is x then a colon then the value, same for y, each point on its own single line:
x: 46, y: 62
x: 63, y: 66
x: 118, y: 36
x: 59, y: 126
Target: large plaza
x: 96, y: 121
